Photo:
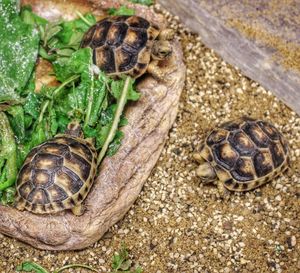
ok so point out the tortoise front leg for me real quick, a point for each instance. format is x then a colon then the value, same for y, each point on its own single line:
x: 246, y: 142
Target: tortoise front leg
x: 78, y: 210
x: 166, y: 34
x: 155, y: 70
x: 198, y: 158
x: 223, y: 192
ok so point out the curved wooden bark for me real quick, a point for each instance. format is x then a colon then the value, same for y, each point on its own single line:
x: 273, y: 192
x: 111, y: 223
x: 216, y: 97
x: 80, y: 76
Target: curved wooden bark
x: 121, y: 177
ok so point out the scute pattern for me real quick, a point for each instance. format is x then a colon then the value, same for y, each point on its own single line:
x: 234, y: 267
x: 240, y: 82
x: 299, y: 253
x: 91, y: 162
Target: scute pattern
x: 119, y: 44
x: 243, y: 170
x: 256, y: 134
x: 225, y: 155
x: 56, y: 172
x: 245, y: 150
x: 241, y: 142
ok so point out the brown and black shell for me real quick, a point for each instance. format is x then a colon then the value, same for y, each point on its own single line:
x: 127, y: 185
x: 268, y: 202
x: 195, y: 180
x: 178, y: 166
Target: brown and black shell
x: 56, y: 175
x: 246, y: 153
x: 121, y: 44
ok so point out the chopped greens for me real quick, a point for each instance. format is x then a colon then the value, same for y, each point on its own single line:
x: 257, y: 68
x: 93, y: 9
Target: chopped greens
x: 122, y: 10
x: 120, y: 263
x: 36, y: 268
x: 8, y: 154
x: 143, y: 2
x: 19, y: 43
x: 85, y: 94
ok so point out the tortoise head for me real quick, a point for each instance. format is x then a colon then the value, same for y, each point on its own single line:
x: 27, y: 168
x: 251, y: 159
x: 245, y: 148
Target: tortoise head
x: 206, y: 172
x: 161, y: 50
x: 74, y: 129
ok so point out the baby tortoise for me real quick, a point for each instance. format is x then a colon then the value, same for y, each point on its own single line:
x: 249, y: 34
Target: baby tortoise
x: 128, y: 45
x: 57, y: 174
x: 242, y: 155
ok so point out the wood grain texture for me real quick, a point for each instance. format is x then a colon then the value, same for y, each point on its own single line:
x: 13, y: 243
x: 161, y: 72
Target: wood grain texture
x: 264, y: 56
x: 121, y: 177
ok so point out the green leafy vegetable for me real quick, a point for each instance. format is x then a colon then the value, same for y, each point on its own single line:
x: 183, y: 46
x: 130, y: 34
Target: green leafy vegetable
x: 36, y: 268
x: 19, y: 43
x: 31, y: 18
x: 116, y: 88
x: 123, y: 10
x: 8, y: 154
x: 60, y: 39
x: 122, y: 263
x: 143, y: 2
x: 31, y: 267
x: 7, y: 196
x: 78, y: 63
x: 121, y: 101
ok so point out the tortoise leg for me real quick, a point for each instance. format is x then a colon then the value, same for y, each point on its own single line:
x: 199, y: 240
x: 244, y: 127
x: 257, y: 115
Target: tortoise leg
x: 155, y: 70
x: 223, y: 192
x: 78, y: 210
x: 198, y: 157
x: 167, y: 34
x: 19, y: 204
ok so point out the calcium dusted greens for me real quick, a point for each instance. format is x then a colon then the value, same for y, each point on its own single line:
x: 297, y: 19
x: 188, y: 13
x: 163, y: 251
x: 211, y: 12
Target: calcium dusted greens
x: 19, y: 44
x: 86, y: 94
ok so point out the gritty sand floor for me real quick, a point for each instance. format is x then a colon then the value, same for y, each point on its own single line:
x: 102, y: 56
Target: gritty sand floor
x: 179, y: 225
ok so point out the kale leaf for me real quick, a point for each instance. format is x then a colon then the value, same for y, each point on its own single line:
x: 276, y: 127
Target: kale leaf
x: 143, y: 2
x: 122, y: 10
x: 8, y: 154
x: 19, y: 43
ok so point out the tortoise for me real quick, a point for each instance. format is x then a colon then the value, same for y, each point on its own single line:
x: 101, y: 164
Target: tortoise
x: 242, y: 154
x: 128, y: 45
x: 58, y: 174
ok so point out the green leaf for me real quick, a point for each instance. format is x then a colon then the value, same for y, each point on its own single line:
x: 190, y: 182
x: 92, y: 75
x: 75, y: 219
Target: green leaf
x: 116, y: 89
x: 122, y: 263
x: 31, y: 18
x: 19, y: 44
x: 115, y: 144
x: 31, y: 267
x: 79, y: 62
x: 8, y: 154
x: 75, y: 27
x: 60, y: 39
x: 123, y: 10
x: 99, y: 93
x: 17, y: 121
x: 120, y: 258
x: 8, y: 9
x: 143, y: 2
x: 62, y: 121
x: 32, y: 105
x: 53, y: 122
x: 30, y: 86
x: 8, y: 196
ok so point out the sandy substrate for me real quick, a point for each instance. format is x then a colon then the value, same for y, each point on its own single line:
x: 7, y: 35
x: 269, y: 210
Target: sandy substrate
x: 179, y: 225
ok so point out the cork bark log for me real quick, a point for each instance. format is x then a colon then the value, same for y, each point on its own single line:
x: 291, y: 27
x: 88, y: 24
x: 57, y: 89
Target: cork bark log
x: 262, y: 38
x: 121, y: 177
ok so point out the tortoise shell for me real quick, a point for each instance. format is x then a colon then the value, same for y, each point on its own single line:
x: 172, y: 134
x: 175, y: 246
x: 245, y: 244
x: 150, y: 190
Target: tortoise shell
x: 121, y: 44
x: 56, y: 175
x: 245, y: 153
